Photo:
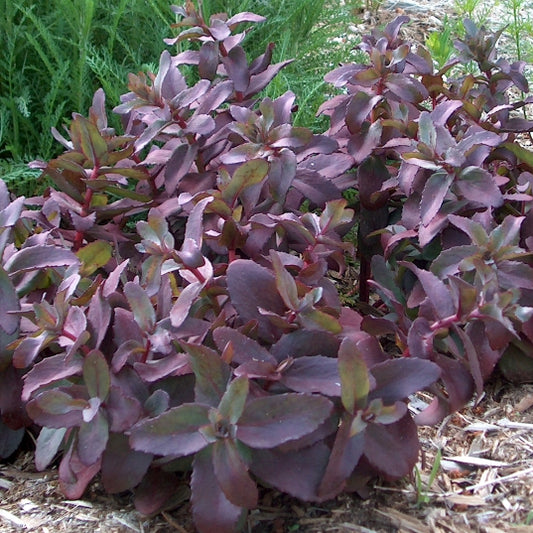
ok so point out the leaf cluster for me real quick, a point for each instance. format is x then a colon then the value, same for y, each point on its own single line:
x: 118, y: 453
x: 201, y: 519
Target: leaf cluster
x: 166, y: 306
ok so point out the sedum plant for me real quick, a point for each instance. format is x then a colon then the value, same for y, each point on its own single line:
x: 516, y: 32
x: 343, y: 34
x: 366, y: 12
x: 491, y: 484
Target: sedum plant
x: 166, y: 306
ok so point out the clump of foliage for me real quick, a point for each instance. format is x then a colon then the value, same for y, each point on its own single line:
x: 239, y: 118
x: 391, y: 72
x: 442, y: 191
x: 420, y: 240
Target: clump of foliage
x: 166, y: 306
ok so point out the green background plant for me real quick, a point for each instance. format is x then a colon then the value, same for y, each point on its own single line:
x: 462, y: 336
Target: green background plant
x: 51, y: 65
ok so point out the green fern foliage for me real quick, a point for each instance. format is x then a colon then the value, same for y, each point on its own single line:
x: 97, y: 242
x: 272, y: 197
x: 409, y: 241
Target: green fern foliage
x: 57, y: 53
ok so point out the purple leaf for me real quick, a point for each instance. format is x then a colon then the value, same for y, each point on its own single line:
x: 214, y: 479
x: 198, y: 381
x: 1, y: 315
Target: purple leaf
x: 211, y: 373
x: 48, y: 443
x: 98, y: 318
x: 281, y: 175
x: 123, y: 410
x: 172, y: 364
x: 345, y: 455
x: 448, y: 262
x: 437, y: 292
x: 459, y: 387
x: 40, y: 257
x: 402, y: 437
x: 175, y: 432
x: 259, y: 81
x: 212, y: 511
x: 313, y: 374
x: 245, y: 16
x: 420, y: 338
x: 305, y: 343
x: 179, y: 165
x: 56, y: 409
x: 237, y: 68
x: 232, y: 474
x: 514, y: 274
x: 272, y: 420
x: 122, y: 468
x: 244, y: 348
x: 507, y: 233
x: 156, y: 489
x: 478, y: 185
x: 92, y: 439
x: 399, y: 378
x: 182, y: 306
x: 252, y: 286
x: 50, y: 369
x: 297, y: 472
x: 442, y: 111
x: 406, y: 88
x: 215, y: 97
x: 363, y: 144
x: 433, y: 195
x: 360, y: 106
x: 74, y: 476
x: 208, y: 60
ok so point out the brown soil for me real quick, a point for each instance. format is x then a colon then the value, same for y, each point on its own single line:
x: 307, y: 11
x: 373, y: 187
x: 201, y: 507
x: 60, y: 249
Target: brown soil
x: 483, y: 481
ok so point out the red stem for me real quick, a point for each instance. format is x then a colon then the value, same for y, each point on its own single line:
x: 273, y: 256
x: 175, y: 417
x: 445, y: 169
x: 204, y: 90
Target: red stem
x: 78, y: 239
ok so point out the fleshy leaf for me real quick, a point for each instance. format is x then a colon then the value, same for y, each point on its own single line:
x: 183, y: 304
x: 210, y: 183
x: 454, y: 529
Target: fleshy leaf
x: 175, y: 432
x: 272, y: 420
x: 96, y: 375
x: 140, y: 304
x: 94, y: 256
x: 48, y: 443
x: 40, y: 257
x: 212, y: 374
x: 212, y: 511
x: 401, y: 437
x: 122, y: 468
x: 354, y: 378
x: 232, y: 474
x: 232, y: 403
x: 399, y: 378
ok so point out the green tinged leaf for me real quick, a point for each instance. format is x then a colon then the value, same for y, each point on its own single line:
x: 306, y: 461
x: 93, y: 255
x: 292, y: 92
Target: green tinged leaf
x: 248, y: 174
x: 232, y: 403
x: 141, y: 306
x: 285, y: 283
x: 355, y: 381
x: 211, y: 373
x: 86, y: 137
x: 175, y: 432
x: 96, y: 375
x: 525, y: 155
x: 8, y: 302
x: 94, y: 256
x: 335, y: 214
x: 316, y: 319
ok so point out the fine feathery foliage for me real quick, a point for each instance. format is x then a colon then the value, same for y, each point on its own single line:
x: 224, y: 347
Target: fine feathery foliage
x: 165, y: 306
x: 51, y: 65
